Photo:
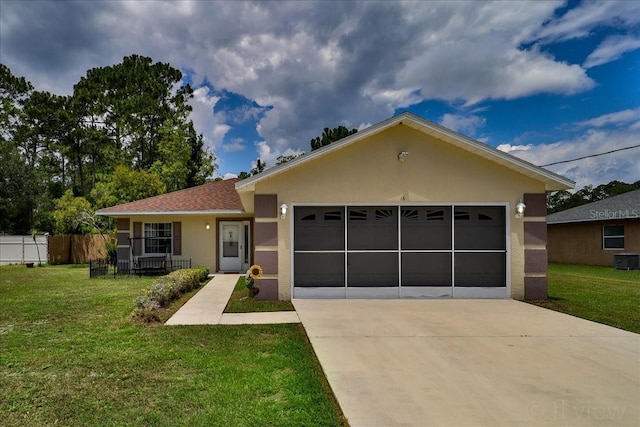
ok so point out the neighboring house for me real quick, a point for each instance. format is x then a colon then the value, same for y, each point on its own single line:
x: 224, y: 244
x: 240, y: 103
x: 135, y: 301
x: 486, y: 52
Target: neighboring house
x: 593, y: 233
x: 405, y: 208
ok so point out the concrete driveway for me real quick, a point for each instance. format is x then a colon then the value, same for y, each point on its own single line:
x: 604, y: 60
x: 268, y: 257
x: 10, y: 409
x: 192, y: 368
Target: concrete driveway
x: 472, y: 363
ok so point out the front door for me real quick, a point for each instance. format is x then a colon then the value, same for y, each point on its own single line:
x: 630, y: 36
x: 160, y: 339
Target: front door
x: 234, y: 246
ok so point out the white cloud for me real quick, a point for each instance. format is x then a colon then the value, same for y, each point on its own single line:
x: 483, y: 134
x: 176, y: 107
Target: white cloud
x: 464, y: 124
x: 625, y: 117
x: 218, y: 132
x: 398, y: 98
x: 621, y: 166
x: 531, y: 72
x: 205, y: 120
x: 477, y: 57
x: 212, y: 124
x: 266, y: 153
x: 270, y: 155
x: 588, y: 15
x: 508, y: 148
x: 237, y: 144
x: 612, y: 48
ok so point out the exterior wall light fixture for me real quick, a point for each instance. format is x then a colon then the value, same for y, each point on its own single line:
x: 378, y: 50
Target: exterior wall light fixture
x: 283, y: 210
x: 403, y: 155
x: 207, y: 226
x: 520, y: 207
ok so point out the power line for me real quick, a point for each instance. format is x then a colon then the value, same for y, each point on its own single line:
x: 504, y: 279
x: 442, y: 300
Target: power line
x: 592, y: 155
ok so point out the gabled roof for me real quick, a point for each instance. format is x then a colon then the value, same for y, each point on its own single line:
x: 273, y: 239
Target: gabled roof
x: 551, y: 180
x: 216, y: 197
x: 622, y: 206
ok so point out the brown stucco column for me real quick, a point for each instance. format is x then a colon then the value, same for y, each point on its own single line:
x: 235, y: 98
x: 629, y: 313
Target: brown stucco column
x: 535, y: 247
x: 265, y: 237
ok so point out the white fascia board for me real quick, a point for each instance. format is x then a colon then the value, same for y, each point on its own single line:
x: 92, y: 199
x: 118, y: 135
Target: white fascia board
x: 214, y: 212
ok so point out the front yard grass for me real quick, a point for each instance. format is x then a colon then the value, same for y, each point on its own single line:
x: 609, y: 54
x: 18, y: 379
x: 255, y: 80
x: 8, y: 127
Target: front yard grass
x: 602, y: 294
x: 70, y: 355
x: 241, y: 302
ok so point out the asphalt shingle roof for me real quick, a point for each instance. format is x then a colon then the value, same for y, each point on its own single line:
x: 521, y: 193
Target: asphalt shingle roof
x: 210, y: 197
x: 622, y: 206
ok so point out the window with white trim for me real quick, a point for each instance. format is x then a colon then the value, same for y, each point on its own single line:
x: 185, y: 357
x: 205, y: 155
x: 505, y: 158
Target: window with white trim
x: 613, y: 237
x: 158, y: 238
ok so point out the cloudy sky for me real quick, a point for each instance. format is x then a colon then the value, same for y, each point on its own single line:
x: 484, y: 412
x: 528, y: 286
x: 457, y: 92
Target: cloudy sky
x: 546, y: 81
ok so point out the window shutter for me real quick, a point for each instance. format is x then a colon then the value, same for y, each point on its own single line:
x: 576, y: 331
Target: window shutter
x: 137, y: 242
x: 177, y: 238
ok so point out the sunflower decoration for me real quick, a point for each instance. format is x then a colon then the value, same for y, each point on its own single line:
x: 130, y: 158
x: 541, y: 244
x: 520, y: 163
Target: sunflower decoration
x: 254, y: 272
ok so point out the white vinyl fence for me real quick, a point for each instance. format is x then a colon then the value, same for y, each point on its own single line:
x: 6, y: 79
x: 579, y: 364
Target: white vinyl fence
x: 22, y: 249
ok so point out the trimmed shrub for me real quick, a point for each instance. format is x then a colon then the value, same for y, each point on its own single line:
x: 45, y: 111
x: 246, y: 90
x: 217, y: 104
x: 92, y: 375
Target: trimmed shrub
x: 146, y: 309
x: 165, y: 290
x: 163, y: 293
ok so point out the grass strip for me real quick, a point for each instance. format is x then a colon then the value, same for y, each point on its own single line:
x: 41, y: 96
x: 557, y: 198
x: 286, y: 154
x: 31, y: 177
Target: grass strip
x: 241, y: 302
x: 602, y: 294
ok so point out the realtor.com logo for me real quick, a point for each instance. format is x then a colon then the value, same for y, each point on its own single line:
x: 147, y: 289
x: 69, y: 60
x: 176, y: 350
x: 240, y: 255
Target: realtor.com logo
x: 615, y: 214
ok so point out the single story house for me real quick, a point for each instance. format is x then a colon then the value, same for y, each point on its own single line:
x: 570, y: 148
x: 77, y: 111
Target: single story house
x: 594, y: 233
x: 402, y: 209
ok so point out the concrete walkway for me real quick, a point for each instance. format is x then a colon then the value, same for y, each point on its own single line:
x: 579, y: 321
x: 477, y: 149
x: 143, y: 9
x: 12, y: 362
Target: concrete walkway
x: 472, y: 363
x: 207, y: 307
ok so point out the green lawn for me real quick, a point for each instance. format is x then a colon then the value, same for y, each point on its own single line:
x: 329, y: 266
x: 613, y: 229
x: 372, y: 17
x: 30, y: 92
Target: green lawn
x: 240, y: 302
x: 601, y: 294
x: 69, y: 355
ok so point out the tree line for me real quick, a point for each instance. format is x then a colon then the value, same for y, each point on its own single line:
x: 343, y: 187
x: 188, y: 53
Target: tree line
x: 123, y: 134
x: 562, y: 200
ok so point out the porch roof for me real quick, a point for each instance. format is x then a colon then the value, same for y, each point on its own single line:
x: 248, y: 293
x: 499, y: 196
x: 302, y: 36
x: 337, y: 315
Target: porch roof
x: 218, y: 197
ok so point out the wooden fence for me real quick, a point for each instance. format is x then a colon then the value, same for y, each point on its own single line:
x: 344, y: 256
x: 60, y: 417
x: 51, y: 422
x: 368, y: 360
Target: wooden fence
x: 77, y: 249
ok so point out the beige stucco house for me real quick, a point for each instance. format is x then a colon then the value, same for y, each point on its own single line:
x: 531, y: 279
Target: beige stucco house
x: 403, y: 209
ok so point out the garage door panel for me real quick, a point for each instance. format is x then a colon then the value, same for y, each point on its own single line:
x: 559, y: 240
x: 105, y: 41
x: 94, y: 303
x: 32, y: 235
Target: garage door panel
x: 426, y: 269
x: 426, y: 228
x: 480, y: 270
x: 319, y: 228
x: 319, y: 269
x: 371, y: 228
x: 480, y: 228
x: 372, y: 270
x: 319, y: 239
